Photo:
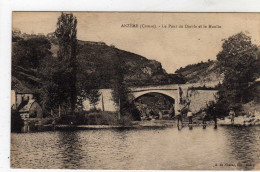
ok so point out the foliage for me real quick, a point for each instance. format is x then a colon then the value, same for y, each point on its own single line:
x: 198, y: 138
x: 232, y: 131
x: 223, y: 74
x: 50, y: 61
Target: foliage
x: 87, y: 83
x: 214, y: 109
x: 238, y: 62
x: 100, y: 59
x: 16, y: 121
x: 195, y: 67
x: 120, y: 90
x: 29, y: 53
x: 126, y: 120
x: 51, y: 93
x: 93, y: 96
x: 92, y: 118
x: 66, y: 33
x: 200, y: 72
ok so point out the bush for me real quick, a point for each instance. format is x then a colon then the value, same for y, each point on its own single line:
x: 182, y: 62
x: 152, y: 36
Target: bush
x: 101, y: 118
x: 126, y: 120
x: 16, y: 121
x: 97, y: 118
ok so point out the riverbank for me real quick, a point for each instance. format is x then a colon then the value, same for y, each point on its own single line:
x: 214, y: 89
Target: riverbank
x: 33, y: 125
x: 246, y: 120
x: 134, y: 124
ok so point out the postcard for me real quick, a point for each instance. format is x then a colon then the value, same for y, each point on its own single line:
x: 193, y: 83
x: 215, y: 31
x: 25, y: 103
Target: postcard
x: 135, y: 91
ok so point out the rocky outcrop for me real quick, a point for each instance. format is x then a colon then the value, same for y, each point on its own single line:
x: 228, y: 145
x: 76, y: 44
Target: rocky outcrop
x: 203, y: 72
x: 138, y: 69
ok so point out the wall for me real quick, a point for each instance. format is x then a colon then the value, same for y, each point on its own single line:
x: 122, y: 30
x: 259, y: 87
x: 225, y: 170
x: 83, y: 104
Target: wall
x: 201, y: 98
x: 108, y: 102
x: 36, y: 109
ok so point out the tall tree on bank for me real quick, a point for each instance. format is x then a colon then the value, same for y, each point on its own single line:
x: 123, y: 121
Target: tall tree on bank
x: 120, y: 90
x: 237, y: 61
x: 66, y: 33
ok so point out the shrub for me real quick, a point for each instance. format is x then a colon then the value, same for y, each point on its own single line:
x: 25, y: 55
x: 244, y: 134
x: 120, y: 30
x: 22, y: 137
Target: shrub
x: 126, y: 120
x: 101, y: 118
x: 16, y: 121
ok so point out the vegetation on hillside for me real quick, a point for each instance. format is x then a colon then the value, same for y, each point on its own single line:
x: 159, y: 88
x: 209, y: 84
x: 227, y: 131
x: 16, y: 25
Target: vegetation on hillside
x: 240, y: 65
x: 239, y: 62
x: 201, y: 72
x: 64, y: 71
x: 66, y: 34
x: 237, y: 66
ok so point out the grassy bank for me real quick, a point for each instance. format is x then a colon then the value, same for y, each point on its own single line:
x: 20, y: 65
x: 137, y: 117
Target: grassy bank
x: 96, y: 118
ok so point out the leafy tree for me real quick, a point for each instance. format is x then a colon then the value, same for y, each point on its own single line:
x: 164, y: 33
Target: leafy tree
x: 237, y: 61
x: 16, y: 34
x: 120, y: 90
x: 66, y: 33
x: 50, y: 91
x: 29, y: 53
x: 88, y: 81
x: 93, y: 96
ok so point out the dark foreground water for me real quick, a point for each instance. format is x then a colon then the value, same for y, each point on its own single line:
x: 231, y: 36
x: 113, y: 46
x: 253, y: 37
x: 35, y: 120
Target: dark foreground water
x: 169, y: 148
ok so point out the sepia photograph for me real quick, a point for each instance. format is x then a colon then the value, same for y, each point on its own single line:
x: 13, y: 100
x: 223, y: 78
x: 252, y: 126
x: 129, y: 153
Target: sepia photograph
x: 135, y: 90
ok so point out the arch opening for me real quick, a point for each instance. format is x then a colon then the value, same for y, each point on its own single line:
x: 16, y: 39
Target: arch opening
x: 154, y: 105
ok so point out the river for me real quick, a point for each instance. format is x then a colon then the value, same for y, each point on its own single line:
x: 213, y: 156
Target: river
x: 227, y: 148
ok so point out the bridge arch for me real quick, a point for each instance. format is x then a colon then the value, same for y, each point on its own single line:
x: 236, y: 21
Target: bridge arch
x: 172, y: 99
x: 171, y: 94
x: 166, y: 109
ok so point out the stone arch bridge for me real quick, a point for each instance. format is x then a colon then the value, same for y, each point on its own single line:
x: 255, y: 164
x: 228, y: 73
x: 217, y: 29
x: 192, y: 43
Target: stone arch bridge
x: 169, y: 91
x: 199, y: 100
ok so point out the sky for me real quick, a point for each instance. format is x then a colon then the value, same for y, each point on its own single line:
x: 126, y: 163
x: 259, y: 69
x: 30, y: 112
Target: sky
x: 173, y: 47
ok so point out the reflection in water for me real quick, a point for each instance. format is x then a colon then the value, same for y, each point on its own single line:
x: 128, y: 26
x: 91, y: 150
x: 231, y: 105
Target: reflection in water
x: 244, y: 143
x: 164, y: 149
x: 70, y: 149
x: 179, y: 127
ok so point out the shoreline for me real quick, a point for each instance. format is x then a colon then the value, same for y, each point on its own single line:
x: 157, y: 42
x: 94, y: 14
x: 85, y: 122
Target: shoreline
x: 152, y: 124
x: 146, y: 124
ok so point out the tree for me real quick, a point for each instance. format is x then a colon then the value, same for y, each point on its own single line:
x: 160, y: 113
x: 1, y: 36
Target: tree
x: 93, y: 96
x: 29, y: 53
x: 16, y: 34
x: 237, y: 61
x: 66, y: 33
x: 50, y: 91
x: 120, y: 90
x: 88, y: 82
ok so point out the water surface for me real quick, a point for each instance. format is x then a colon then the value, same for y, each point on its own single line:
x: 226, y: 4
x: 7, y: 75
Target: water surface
x: 226, y: 148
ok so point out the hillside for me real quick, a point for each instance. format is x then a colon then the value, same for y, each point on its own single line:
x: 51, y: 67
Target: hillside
x: 138, y: 70
x: 94, y: 58
x: 203, y: 72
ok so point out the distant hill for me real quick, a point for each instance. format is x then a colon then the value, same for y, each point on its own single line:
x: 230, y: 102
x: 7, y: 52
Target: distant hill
x: 203, y: 72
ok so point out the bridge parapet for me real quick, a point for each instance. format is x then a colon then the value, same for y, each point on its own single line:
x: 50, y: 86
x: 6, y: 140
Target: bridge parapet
x: 160, y: 87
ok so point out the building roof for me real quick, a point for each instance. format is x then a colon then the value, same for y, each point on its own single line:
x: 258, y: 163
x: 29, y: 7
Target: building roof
x: 19, y: 87
x: 27, y: 107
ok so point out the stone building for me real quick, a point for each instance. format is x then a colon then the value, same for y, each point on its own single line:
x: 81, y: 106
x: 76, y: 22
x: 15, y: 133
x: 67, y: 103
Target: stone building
x: 31, y: 110
x: 25, y: 104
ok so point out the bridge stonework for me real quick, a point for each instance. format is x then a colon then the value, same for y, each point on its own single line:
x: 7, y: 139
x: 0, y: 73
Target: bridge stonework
x: 170, y: 91
x: 198, y: 100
